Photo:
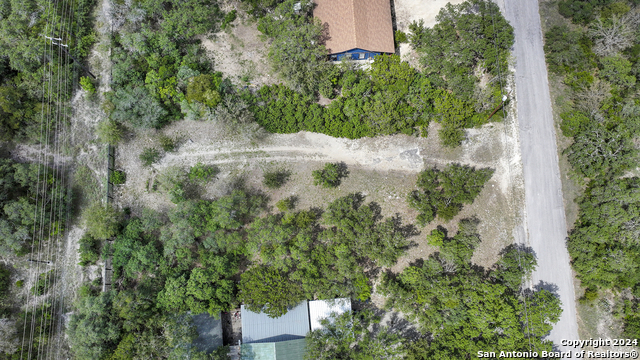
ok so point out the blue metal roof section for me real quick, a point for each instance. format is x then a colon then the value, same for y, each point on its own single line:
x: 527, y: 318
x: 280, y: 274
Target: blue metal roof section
x: 260, y: 328
x: 355, y: 54
x: 209, y: 332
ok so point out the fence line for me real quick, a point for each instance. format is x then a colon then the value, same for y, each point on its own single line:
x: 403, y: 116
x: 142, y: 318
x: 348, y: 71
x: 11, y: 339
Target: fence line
x: 107, y: 270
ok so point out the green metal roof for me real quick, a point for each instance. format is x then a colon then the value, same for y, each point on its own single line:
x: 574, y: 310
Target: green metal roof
x: 290, y: 350
x: 283, y: 350
x: 258, y: 351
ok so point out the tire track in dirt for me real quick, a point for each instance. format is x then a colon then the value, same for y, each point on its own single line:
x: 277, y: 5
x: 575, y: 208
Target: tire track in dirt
x: 407, y: 160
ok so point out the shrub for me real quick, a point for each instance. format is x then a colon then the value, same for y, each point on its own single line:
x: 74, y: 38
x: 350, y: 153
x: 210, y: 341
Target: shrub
x: 268, y: 290
x: 363, y: 289
x: 87, y: 289
x: 89, y: 250
x: 451, y: 136
x: 590, y: 294
x: 400, y: 37
x: 579, y: 81
x: 436, y: 238
x: 149, y: 156
x: 275, y: 179
x: 173, y: 181
x: 87, y: 85
x: 599, y: 151
x: 202, y: 172
x: 118, y: 177
x: 102, y: 221
x: 166, y: 143
x: 580, y: 11
x: 205, y: 89
x: 444, y: 192
x: 617, y: 70
x: 228, y: 19
x: 109, y: 132
x: 573, y: 123
x: 20, y: 283
x: 286, y: 204
x: 615, y: 9
x: 331, y: 175
x: 564, y: 51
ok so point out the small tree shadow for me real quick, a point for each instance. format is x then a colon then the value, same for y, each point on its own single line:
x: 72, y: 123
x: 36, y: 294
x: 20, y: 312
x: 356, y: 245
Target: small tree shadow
x: 543, y: 285
x: 520, y: 247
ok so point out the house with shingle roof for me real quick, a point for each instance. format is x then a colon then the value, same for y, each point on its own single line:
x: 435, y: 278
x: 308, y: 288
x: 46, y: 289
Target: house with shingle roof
x: 359, y: 29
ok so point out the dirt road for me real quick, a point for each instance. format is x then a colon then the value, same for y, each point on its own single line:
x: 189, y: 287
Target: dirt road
x: 545, y: 216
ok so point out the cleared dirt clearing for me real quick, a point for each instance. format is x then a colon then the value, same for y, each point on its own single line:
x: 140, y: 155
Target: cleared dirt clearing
x: 383, y: 168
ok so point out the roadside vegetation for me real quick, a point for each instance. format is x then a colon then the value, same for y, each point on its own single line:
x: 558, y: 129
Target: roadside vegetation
x: 596, y: 51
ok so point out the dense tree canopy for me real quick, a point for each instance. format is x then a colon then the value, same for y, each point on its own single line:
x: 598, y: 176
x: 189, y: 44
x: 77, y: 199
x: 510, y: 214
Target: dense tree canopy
x: 23, y: 188
x: 348, y: 336
x: 188, y: 260
x: 470, y: 36
x: 444, y: 192
x: 600, y: 64
x: 466, y: 35
x: 598, y: 151
x: 159, y: 70
x: 296, y: 52
x: 391, y: 97
x: 265, y: 289
x: 24, y: 68
x: 312, y: 260
x: 604, y: 243
x: 463, y: 309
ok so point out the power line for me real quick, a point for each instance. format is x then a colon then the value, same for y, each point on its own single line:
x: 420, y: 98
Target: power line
x: 35, y: 217
x: 61, y: 134
x: 42, y: 201
x: 59, y: 181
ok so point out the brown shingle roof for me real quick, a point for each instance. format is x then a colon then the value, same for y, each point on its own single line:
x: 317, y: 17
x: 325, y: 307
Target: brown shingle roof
x: 363, y: 24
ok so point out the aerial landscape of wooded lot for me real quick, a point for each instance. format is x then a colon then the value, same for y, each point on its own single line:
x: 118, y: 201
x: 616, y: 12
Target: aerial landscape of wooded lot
x: 319, y: 179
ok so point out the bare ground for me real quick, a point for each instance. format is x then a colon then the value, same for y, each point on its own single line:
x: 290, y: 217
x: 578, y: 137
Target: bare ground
x: 239, y: 53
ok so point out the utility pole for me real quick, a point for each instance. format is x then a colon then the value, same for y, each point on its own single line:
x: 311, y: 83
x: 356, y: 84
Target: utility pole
x: 64, y: 48
x: 504, y: 98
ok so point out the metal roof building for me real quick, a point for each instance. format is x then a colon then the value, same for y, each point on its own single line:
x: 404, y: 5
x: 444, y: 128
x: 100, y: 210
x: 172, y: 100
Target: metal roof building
x: 260, y: 328
x: 321, y: 309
